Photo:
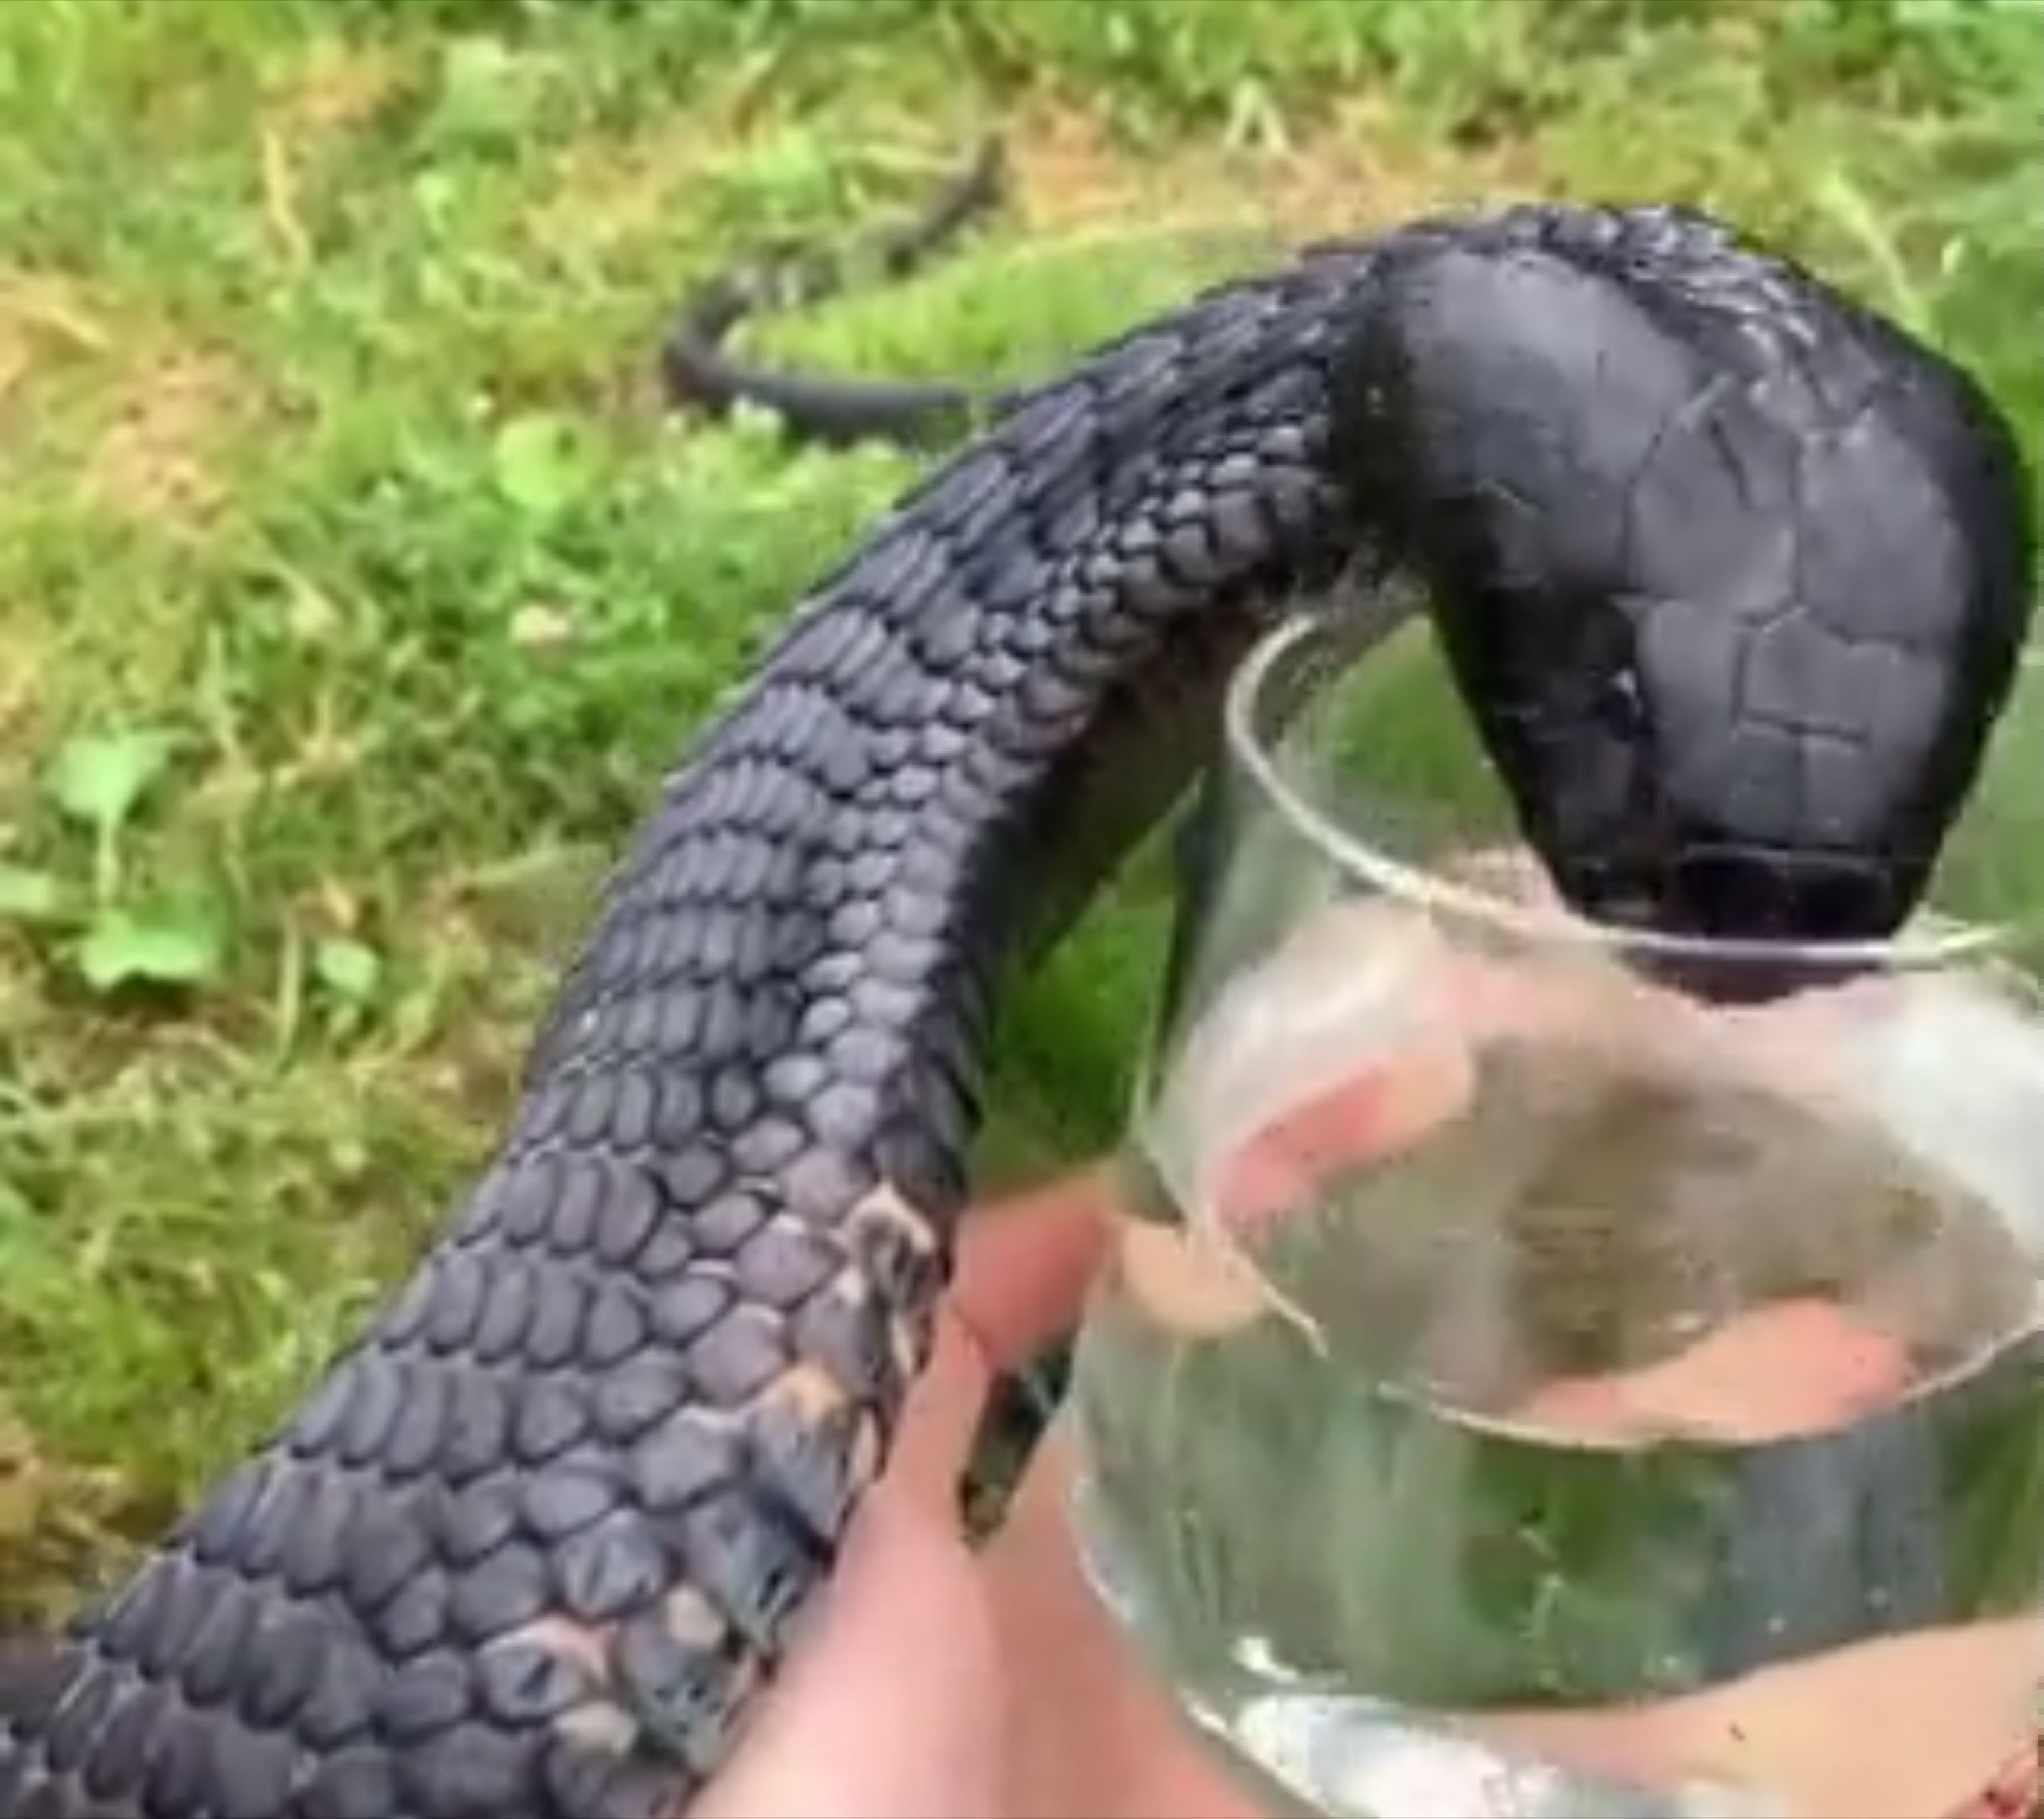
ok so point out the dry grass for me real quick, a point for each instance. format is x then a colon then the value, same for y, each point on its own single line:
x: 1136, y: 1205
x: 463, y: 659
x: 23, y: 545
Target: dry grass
x: 1354, y: 169
x: 155, y: 461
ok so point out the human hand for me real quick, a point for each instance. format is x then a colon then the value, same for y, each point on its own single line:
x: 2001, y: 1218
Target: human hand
x: 961, y: 1683
x: 945, y: 1680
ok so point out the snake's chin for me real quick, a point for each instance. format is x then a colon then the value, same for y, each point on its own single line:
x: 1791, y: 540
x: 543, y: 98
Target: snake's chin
x: 1740, y: 924
x: 1744, y: 982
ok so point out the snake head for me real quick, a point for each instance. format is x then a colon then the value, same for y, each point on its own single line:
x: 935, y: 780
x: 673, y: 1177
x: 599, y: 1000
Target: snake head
x: 1733, y: 575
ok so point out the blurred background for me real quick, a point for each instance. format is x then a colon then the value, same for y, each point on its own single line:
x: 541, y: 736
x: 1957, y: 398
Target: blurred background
x: 357, y: 581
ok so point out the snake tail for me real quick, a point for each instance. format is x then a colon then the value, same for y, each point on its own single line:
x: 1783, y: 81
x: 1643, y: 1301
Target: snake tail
x: 700, y: 371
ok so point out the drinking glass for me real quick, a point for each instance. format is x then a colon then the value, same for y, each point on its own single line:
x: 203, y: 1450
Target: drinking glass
x: 1522, y: 1386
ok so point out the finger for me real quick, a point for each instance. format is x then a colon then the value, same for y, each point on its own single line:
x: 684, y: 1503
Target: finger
x: 1024, y: 1261
x: 942, y: 1418
x: 1376, y: 1112
x: 1023, y: 1265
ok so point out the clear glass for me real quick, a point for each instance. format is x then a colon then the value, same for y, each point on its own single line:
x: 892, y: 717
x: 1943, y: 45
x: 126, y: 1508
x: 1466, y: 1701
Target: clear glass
x: 1522, y: 1388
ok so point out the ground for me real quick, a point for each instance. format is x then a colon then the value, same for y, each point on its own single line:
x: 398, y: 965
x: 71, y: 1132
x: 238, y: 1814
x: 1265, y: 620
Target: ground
x: 355, y: 585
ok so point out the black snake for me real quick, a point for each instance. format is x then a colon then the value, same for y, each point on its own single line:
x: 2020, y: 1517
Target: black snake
x: 701, y: 371
x: 1732, y: 576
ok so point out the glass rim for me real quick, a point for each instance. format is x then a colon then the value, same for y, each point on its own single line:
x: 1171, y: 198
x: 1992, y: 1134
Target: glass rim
x: 1945, y: 942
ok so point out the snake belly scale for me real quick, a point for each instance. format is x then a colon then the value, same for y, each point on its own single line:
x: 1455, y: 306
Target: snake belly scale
x: 536, y: 1544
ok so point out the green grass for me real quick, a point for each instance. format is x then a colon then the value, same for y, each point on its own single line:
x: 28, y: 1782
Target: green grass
x: 354, y: 588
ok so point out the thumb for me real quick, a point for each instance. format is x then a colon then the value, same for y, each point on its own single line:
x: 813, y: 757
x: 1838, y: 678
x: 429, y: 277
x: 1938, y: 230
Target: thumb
x: 1024, y: 1264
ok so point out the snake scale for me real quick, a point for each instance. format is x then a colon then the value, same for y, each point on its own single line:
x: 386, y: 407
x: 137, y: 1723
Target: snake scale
x: 1732, y: 576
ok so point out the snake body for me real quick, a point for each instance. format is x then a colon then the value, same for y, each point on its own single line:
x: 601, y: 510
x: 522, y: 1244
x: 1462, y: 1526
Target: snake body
x: 1732, y: 576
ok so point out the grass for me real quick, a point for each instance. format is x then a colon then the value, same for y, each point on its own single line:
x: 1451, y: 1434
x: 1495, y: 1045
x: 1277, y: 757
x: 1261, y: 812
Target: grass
x: 355, y: 587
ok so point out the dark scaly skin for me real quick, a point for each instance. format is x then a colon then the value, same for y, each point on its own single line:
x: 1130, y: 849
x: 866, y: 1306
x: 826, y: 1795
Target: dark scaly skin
x: 1813, y: 542
x: 538, y: 1543
x: 700, y: 371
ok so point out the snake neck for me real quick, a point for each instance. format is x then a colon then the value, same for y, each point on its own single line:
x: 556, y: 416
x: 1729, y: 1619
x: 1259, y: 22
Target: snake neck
x: 831, y: 881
